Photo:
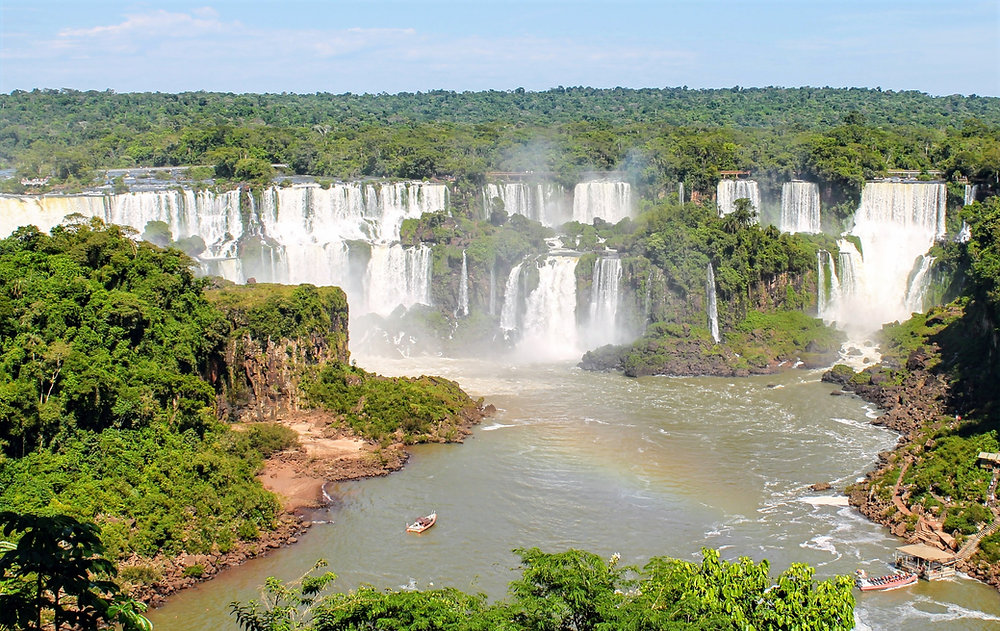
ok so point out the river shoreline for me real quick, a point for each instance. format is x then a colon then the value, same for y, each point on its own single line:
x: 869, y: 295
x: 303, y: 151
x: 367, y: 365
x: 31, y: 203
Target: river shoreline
x: 921, y: 399
x: 297, y: 478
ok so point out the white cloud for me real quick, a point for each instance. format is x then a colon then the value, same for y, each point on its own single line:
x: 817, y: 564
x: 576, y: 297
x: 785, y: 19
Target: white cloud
x: 158, y: 23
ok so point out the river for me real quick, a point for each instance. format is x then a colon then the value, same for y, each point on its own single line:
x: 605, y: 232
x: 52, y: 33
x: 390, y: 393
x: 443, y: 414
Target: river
x: 642, y: 467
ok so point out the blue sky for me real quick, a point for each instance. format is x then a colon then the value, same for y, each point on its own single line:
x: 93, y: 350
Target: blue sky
x: 382, y: 46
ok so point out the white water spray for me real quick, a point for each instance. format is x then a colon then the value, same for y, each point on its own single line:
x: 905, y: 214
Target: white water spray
x: 896, y: 225
x: 550, y: 331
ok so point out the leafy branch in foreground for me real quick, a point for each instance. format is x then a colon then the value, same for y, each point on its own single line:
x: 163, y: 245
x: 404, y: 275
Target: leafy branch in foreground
x: 581, y: 591
x: 55, y: 577
x: 283, y: 606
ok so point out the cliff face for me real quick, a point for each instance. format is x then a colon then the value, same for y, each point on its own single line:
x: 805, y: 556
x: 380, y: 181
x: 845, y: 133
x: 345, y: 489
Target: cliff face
x: 279, y: 336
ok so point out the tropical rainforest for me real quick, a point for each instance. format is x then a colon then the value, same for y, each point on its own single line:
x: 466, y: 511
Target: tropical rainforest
x: 661, y: 136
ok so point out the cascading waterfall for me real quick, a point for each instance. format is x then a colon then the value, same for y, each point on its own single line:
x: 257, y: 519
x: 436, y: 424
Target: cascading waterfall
x: 298, y: 234
x: 713, y: 307
x: 799, y: 207
x: 398, y: 276
x: 463, y: 287
x: 896, y: 224
x: 680, y: 192
x: 729, y: 191
x: 608, y: 200
x: 541, y: 202
x: 511, y: 300
x: 828, y: 286
x: 549, y: 329
x: 605, y: 298
x: 516, y: 198
x: 851, y: 269
x: 916, y: 291
x: 214, y: 217
x: 971, y: 191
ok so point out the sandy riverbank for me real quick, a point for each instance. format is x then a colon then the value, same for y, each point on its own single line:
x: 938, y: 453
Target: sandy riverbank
x: 324, y: 454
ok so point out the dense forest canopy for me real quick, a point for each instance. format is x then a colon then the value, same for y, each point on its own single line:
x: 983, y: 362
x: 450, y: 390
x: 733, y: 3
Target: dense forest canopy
x: 806, y: 107
x: 658, y: 136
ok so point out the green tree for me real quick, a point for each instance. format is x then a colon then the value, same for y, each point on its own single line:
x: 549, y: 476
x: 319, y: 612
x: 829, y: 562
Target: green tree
x: 283, y: 606
x: 55, y: 577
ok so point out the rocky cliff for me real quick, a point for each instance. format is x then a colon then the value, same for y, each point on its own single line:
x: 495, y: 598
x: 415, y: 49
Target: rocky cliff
x: 279, y: 336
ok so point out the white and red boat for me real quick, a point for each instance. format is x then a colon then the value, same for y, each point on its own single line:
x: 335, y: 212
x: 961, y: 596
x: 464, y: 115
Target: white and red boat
x: 422, y: 523
x: 884, y: 583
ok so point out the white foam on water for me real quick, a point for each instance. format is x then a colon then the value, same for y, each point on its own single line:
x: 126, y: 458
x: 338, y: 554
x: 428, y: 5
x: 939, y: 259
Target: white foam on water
x: 948, y: 612
x: 495, y: 426
x: 850, y: 422
x: 825, y: 500
x: 822, y: 543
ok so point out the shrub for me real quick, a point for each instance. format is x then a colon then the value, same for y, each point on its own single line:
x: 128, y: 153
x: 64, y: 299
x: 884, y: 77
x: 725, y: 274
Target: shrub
x: 270, y: 438
x: 194, y: 571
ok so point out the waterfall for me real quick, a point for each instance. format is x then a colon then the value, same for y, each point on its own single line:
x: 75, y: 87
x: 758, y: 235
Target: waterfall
x: 713, y: 307
x: 511, y: 300
x: 296, y: 234
x: 971, y: 191
x: 549, y: 331
x: 214, y: 217
x: 920, y: 282
x: 605, y: 298
x: 680, y: 192
x: 799, y: 207
x: 541, y: 202
x: 851, y: 268
x: 827, y: 286
x: 610, y: 201
x: 463, y: 287
x: 730, y: 190
x: 896, y: 224
x: 398, y: 276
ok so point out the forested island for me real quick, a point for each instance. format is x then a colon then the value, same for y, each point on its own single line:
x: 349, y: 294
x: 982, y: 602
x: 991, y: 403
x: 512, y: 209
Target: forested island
x: 161, y: 341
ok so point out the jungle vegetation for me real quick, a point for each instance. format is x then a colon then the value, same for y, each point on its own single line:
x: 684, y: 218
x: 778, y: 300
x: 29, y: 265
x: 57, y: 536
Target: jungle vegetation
x: 108, y: 412
x: 658, y: 136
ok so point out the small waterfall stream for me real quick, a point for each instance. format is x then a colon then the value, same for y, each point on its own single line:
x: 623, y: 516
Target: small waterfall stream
x: 711, y: 303
x: 728, y: 191
x: 463, y: 287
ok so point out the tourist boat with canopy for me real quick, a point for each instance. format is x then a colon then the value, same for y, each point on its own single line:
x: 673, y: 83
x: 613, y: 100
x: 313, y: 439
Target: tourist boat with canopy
x: 884, y: 583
